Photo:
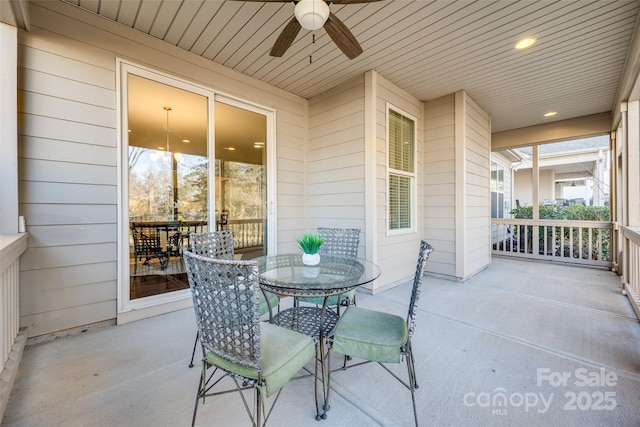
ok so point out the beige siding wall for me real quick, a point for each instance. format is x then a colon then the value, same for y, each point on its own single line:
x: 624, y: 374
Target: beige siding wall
x: 439, y: 184
x: 335, y: 159
x: 522, y: 185
x: 477, y: 188
x: 457, y: 178
x: 396, y: 254
x: 68, y: 157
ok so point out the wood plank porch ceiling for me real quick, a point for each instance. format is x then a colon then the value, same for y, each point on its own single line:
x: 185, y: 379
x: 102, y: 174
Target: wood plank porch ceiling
x: 428, y: 48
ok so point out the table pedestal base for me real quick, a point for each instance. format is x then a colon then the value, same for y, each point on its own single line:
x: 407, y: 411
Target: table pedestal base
x: 315, y: 322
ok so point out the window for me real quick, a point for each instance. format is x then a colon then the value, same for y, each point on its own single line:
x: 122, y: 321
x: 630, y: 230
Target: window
x: 497, y: 190
x: 401, y: 170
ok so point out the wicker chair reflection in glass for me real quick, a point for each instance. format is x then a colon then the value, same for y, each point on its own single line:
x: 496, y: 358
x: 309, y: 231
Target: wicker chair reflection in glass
x: 340, y: 242
x: 219, y: 244
x: 255, y: 355
x: 381, y: 337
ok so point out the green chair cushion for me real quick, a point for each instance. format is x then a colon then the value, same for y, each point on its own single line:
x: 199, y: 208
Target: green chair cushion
x: 370, y: 335
x: 284, y: 353
x: 331, y: 301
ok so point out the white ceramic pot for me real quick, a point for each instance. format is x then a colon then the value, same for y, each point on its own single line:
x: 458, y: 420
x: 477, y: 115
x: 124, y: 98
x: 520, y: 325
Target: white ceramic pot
x: 310, y: 259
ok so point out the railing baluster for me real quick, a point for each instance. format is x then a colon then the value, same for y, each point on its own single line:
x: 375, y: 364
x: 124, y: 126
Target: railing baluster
x: 577, y: 242
x: 247, y: 233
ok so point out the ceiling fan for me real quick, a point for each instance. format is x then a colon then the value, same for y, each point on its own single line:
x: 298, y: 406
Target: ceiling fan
x: 313, y: 15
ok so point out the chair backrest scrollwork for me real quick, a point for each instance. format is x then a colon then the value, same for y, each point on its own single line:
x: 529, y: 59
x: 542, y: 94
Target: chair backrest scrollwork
x: 214, y: 244
x: 226, y: 303
x: 423, y: 256
x: 341, y: 242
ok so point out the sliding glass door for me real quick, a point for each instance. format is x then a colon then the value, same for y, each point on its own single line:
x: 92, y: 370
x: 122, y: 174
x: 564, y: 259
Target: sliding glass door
x: 241, y: 180
x: 168, y: 179
x: 195, y: 162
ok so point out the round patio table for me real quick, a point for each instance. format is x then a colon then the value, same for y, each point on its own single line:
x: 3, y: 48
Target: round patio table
x: 286, y: 275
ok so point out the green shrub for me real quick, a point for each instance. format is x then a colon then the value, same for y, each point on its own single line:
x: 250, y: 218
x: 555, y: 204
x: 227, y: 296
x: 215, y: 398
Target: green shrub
x: 571, y: 213
x: 562, y: 238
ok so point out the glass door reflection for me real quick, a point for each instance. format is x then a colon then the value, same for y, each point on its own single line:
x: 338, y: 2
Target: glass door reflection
x: 168, y: 182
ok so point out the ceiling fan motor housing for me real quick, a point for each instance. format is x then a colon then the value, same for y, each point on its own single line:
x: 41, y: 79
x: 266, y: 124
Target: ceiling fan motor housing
x: 311, y: 14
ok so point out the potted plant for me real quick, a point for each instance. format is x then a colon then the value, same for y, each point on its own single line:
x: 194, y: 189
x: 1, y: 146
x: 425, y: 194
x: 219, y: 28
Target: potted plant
x: 310, y: 243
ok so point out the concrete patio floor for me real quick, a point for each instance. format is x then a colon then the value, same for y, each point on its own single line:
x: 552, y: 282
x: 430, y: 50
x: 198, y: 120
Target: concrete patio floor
x: 522, y: 343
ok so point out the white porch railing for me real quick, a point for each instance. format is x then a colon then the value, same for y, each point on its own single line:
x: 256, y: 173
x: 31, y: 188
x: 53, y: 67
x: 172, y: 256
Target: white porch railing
x: 631, y: 266
x: 575, y: 242
x: 12, y: 338
x: 247, y: 233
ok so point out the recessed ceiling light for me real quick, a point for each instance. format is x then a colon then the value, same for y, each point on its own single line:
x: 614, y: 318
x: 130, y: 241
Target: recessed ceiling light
x: 258, y: 144
x: 230, y: 148
x: 186, y: 141
x: 525, y: 43
x: 550, y: 114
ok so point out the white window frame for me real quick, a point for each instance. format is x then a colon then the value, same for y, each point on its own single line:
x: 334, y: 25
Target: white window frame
x: 413, y: 197
x: 500, y: 207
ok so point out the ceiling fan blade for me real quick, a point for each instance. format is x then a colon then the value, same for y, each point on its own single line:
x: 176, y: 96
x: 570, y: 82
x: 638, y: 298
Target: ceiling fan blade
x: 342, y: 37
x: 286, y: 37
x: 352, y: 1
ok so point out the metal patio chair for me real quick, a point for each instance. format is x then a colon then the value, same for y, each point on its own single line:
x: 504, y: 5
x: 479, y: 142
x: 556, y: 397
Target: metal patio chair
x: 147, y: 246
x: 255, y: 355
x: 381, y: 337
x: 219, y: 244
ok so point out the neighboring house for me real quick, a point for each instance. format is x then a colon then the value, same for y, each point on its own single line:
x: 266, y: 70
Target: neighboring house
x: 570, y: 172
x: 331, y: 160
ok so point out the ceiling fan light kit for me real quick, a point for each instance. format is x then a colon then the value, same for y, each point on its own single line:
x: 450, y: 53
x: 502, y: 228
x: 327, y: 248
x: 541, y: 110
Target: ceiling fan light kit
x: 311, y: 14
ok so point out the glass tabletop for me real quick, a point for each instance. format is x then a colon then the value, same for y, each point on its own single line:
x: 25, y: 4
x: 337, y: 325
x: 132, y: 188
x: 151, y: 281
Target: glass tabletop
x: 286, y: 274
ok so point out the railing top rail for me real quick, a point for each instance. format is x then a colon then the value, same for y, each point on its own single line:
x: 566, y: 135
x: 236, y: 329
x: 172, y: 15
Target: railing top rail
x: 553, y: 222
x: 632, y: 233
x: 245, y: 221
x: 11, y: 247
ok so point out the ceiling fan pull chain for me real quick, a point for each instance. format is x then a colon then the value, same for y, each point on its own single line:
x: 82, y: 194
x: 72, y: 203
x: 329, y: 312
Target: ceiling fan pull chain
x: 313, y: 41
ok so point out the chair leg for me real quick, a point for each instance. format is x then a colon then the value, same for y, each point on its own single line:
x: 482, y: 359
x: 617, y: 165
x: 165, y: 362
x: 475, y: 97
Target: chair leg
x: 193, y: 353
x: 201, y: 391
x: 315, y: 384
x: 258, y: 408
x: 412, y: 381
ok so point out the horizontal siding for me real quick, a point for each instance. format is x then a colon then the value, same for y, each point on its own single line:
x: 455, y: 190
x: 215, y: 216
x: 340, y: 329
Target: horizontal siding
x: 335, y: 159
x: 50, y: 128
x: 439, y: 187
x: 70, y: 276
x: 64, y: 256
x: 69, y: 317
x: 65, y: 151
x: 77, y: 234
x: 65, y: 214
x: 477, y: 196
x: 65, y: 172
x: 69, y: 154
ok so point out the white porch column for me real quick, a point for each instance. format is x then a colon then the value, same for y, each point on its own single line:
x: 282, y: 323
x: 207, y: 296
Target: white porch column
x: 8, y: 129
x: 632, y: 160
